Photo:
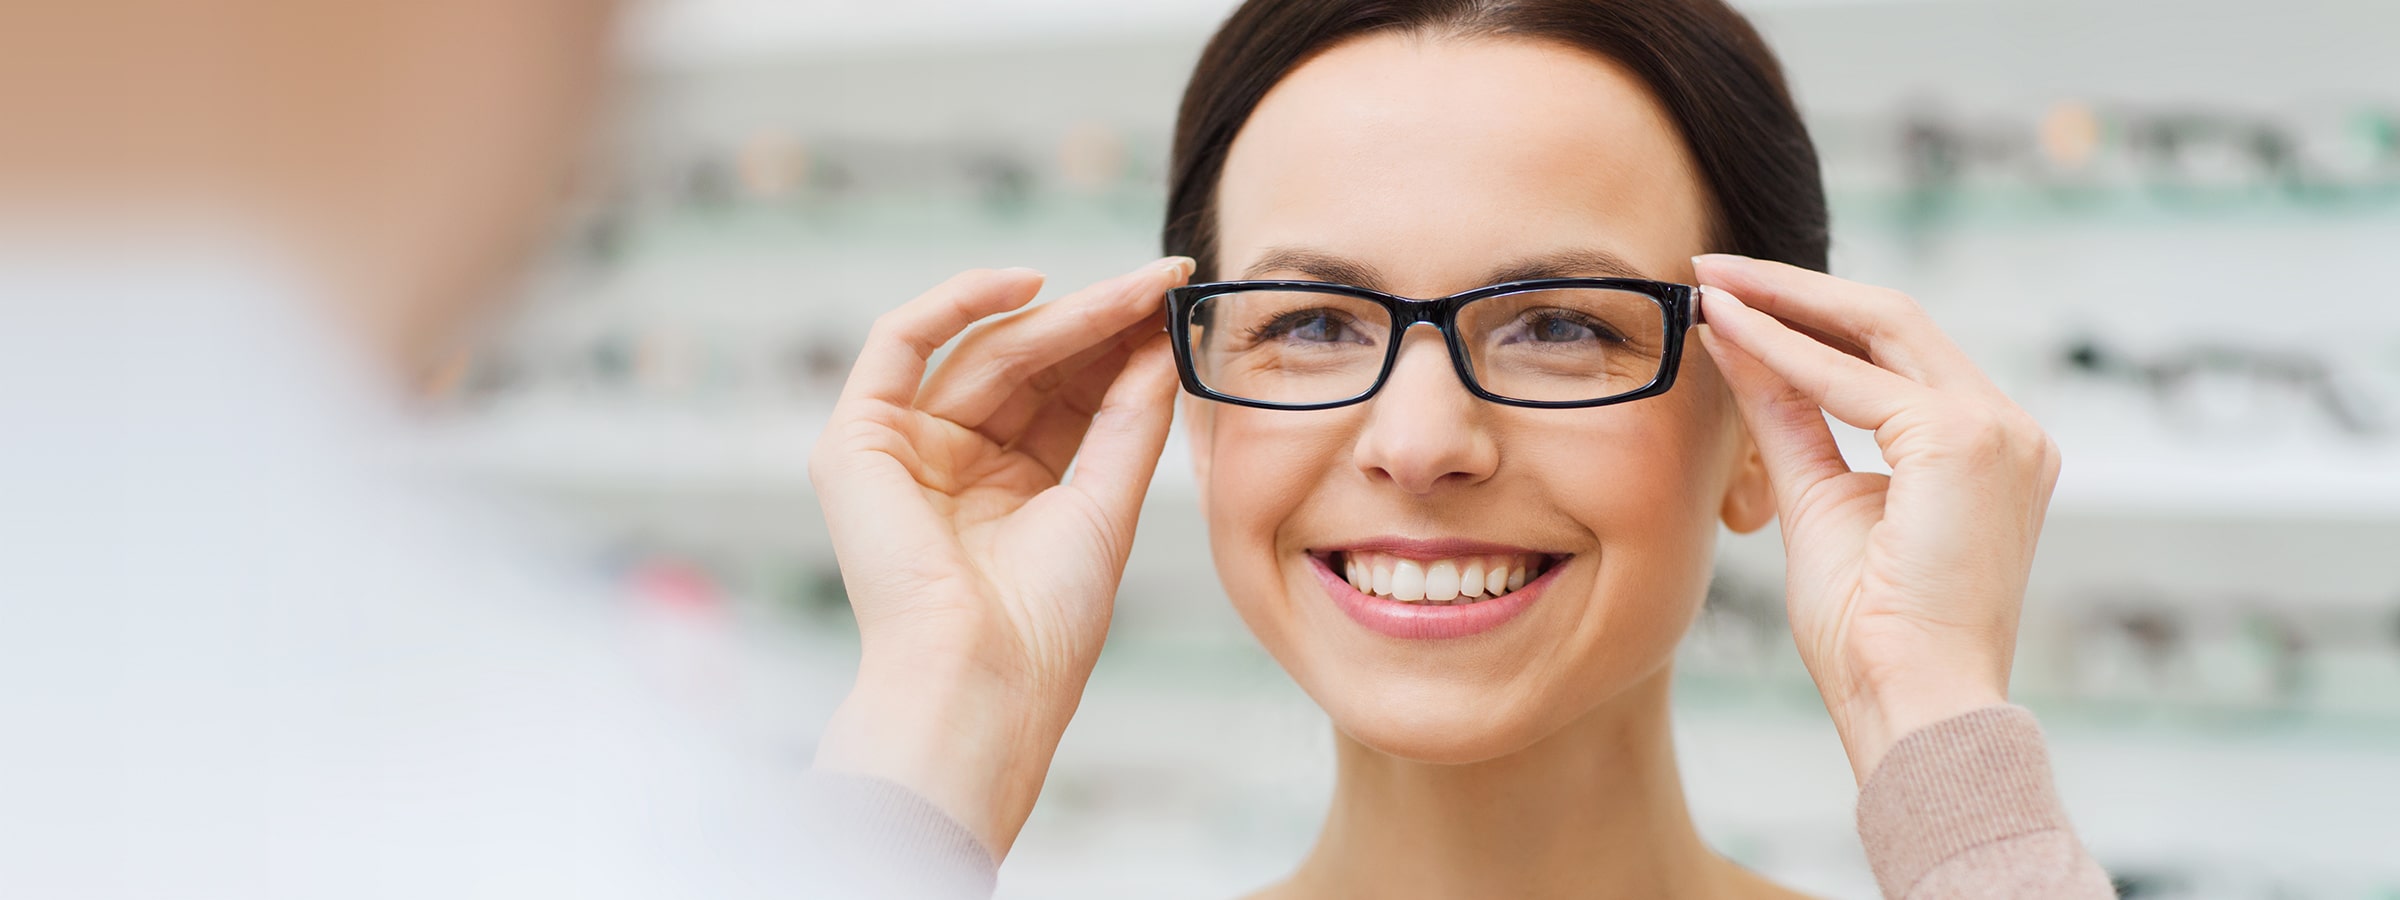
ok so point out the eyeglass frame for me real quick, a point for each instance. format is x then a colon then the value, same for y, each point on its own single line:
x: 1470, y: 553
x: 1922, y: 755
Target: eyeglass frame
x: 1678, y: 302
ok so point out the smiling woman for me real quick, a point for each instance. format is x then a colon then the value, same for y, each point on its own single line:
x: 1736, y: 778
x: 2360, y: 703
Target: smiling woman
x: 1424, y: 158
x: 1472, y: 527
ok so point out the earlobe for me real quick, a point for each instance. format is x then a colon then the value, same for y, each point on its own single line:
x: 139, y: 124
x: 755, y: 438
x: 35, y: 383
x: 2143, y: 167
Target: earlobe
x: 1749, y: 502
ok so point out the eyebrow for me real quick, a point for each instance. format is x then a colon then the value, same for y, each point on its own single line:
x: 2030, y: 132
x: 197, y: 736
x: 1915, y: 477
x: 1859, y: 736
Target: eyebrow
x: 1316, y: 265
x: 1590, y: 262
x: 1587, y: 262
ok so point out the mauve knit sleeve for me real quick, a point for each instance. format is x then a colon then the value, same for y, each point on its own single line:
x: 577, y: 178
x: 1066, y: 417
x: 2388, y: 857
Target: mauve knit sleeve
x: 870, y: 839
x: 1964, y: 809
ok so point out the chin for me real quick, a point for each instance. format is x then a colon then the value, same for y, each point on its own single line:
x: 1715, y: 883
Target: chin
x: 1471, y: 699
x: 1431, y: 719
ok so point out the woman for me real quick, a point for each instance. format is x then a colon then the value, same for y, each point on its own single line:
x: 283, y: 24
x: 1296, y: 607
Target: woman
x: 1477, y: 544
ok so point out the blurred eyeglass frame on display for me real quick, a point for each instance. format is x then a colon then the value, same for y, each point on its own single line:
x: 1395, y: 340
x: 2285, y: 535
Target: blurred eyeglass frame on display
x: 1677, y: 306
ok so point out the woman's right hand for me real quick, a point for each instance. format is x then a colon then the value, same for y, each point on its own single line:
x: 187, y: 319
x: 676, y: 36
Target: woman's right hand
x: 982, y: 577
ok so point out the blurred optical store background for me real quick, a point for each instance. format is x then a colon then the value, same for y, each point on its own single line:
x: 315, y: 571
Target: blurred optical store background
x: 2169, y: 228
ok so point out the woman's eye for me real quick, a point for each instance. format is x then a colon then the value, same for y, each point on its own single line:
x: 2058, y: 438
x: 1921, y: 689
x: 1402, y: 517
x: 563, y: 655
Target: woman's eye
x: 1309, y: 326
x: 1558, y: 327
x: 1559, y: 330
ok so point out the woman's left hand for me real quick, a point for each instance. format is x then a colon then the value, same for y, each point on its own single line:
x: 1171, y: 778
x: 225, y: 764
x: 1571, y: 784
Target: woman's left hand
x: 1904, y: 589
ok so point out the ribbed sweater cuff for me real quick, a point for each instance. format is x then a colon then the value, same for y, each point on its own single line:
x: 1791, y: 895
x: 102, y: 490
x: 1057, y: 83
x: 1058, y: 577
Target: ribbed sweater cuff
x: 872, y: 838
x: 1952, y: 786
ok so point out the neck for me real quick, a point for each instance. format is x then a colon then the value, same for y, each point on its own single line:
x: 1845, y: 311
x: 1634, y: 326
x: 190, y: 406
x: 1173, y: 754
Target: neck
x: 1595, y: 809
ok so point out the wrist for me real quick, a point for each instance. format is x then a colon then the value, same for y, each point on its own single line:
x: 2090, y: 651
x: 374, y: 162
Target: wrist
x: 973, y: 743
x: 1877, y: 717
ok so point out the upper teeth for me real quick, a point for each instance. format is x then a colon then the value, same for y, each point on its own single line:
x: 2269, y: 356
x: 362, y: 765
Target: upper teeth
x: 1462, y: 580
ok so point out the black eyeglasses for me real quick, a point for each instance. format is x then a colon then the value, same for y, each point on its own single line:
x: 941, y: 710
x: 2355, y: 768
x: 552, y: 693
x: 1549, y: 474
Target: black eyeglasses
x: 1555, y: 343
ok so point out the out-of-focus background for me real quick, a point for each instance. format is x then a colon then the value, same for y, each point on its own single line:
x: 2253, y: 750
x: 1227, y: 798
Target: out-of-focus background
x: 2170, y: 228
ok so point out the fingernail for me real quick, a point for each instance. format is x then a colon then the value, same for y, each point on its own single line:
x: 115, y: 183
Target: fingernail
x: 1722, y: 299
x: 1180, y: 266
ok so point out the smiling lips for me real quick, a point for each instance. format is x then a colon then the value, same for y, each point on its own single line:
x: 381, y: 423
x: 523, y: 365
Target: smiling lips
x: 1420, y: 590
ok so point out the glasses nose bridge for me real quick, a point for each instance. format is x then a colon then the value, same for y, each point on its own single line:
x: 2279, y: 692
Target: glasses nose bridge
x: 1412, y: 313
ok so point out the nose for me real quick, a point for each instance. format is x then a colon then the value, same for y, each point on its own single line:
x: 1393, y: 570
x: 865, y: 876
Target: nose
x: 1423, y: 431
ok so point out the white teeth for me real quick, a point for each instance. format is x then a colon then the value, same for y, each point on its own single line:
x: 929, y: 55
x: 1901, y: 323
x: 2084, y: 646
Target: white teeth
x: 1408, y: 581
x: 1441, y: 581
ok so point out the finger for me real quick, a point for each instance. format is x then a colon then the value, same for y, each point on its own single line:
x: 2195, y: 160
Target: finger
x: 891, y: 364
x: 1053, y: 431
x: 1009, y: 423
x: 995, y: 361
x: 1788, y: 428
x: 1853, y: 390
x: 1120, y: 450
x: 1890, y: 329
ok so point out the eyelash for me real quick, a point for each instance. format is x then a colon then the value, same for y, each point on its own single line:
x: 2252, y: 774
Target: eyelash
x: 1285, y: 322
x: 1599, y: 328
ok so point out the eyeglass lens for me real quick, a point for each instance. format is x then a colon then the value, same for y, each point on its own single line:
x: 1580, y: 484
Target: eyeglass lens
x: 1307, y: 347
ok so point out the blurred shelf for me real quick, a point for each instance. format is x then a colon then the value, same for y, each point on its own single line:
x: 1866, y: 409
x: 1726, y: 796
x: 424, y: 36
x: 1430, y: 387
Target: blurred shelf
x: 2144, y: 207
x: 631, y: 450
x: 2323, y: 482
x: 700, y: 32
x: 675, y: 33
x: 896, y: 221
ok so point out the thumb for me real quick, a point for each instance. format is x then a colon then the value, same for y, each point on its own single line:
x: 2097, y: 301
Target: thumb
x: 1121, y: 447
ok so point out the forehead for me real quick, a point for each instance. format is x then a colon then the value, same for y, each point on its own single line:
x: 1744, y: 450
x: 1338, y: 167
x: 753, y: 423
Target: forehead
x: 1432, y: 158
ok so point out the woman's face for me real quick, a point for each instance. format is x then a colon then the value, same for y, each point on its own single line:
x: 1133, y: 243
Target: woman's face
x: 1425, y: 167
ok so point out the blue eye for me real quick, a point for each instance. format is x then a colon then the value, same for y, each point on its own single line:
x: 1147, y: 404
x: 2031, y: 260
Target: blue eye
x: 1558, y: 326
x: 1310, y: 326
x: 1557, y: 329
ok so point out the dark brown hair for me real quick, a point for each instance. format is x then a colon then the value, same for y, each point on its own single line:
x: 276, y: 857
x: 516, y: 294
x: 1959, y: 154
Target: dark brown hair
x: 1710, y: 70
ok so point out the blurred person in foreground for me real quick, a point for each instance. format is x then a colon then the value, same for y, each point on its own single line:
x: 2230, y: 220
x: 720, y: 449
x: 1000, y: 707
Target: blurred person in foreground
x: 250, y: 648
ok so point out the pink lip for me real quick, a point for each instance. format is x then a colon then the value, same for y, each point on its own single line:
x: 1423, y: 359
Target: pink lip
x: 1431, y: 548
x: 1409, y: 621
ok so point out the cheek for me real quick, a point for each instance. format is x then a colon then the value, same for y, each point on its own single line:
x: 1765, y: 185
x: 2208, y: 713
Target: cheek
x: 1642, y: 487
x: 1262, y: 465
x: 1648, y: 486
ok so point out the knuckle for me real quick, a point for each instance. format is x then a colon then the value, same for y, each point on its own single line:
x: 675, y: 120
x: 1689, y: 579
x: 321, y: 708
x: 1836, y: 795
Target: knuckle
x: 904, y: 328
x: 2052, y: 461
x: 1013, y: 362
x: 885, y: 327
x: 1897, y: 302
x: 1978, y: 430
x: 2033, y: 442
x: 2021, y: 441
x: 818, y: 467
x: 823, y: 462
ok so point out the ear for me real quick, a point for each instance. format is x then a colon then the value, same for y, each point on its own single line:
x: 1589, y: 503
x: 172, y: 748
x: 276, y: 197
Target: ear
x: 1749, y: 502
